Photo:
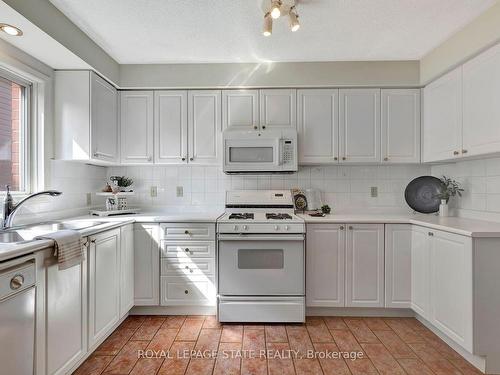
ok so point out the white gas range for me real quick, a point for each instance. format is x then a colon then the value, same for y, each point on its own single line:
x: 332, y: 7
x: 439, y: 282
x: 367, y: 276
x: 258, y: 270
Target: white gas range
x: 260, y: 258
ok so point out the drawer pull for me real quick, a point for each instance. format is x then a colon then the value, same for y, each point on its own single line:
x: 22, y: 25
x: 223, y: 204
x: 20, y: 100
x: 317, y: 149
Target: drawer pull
x: 190, y: 270
x: 186, y: 232
x: 350, y: 227
x: 16, y: 282
x: 431, y: 234
x: 456, y: 153
x: 186, y: 291
x: 341, y: 227
x: 186, y: 250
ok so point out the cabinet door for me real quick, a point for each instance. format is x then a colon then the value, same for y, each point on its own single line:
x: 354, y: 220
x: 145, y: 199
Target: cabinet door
x: 398, y: 265
x: 318, y: 126
x: 365, y: 265
x: 240, y: 109
x: 204, y: 127
x: 146, y: 265
x: 104, y: 284
x: 401, y: 126
x: 451, y: 286
x: 126, y: 269
x: 481, y: 112
x: 420, y: 286
x: 170, y: 127
x: 359, y: 131
x: 104, y: 119
x: 277, y: 108
x: 66, y: 316
x: 325, y: 260
x: 443, y: 117
x: 136, y: 126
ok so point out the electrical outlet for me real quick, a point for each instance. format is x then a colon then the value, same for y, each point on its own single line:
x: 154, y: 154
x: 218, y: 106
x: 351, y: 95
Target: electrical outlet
x: 179, y: 191
x: 374, y: 191
x: 154, y: 191
x: 89, y: 199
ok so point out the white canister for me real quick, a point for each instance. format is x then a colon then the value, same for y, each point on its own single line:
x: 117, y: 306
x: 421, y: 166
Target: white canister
x: 443, y: 208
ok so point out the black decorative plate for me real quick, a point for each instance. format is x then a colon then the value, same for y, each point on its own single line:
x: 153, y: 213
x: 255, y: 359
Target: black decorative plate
x: 300, y: 201
x: 421, y: 194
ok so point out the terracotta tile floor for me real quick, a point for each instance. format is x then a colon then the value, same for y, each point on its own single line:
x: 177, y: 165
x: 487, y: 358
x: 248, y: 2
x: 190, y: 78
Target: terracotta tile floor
x: 200, y: 345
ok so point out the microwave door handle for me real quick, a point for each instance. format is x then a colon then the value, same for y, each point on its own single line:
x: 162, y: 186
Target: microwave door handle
x: 280, y: 152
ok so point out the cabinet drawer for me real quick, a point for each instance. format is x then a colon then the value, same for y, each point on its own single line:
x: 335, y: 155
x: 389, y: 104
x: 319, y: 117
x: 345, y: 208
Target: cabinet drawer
x: 187, y: 249
x: 195, y: 290
x: 187, y: 267
x: 188, y: 231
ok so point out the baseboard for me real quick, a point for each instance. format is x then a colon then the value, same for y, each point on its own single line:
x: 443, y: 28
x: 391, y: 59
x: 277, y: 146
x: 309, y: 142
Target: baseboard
x: 173, y: 310
x: 359, y: 311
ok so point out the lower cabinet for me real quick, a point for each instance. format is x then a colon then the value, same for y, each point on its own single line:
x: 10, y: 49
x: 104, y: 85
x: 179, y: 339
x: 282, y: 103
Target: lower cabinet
x: 398, y: 265
x: 65, y: 316
x: 126, y: 269
x: 420, y: 285
x: 365, y: 265
x: 146, y: 265
x: 104, y: 284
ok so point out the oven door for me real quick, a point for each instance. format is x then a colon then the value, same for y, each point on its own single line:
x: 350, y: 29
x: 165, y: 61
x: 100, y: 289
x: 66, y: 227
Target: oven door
x: 261, y: 265
x: 252, y: 155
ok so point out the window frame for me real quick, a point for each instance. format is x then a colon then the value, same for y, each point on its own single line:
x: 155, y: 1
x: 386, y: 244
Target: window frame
x: 26, y: 141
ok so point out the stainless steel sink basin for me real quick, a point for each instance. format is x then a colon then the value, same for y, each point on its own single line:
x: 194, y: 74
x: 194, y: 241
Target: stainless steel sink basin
x: 11, y: 237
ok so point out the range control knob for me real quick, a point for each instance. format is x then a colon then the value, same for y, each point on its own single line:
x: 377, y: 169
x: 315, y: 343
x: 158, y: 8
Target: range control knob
x: 276, y: 227
x: 235, y: 227
x: 245, y: 227
x: 287, y: 227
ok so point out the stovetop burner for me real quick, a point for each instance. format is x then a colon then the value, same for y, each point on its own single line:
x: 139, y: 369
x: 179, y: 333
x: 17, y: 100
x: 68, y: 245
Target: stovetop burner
x: 280, y: 216
x: 241, y: 216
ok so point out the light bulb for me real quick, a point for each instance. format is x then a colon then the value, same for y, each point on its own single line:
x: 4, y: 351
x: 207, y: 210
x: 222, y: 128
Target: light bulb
x: 268, y: 25
x: 294, y: 21
x: 11, y: 30
x: 275, y: 9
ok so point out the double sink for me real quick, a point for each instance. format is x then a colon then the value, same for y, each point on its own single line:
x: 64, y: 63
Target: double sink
x: 29, y: 232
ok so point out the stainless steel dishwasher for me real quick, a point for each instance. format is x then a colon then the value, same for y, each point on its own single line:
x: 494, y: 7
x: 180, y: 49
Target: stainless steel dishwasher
x: 17, y: 317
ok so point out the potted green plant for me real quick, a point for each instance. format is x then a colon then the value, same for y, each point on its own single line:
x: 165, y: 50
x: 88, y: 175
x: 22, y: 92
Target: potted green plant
x: 124, y: 183
x: 450, y: 188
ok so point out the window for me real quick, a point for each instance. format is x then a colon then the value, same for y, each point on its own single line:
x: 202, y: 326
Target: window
x: 14, y: 134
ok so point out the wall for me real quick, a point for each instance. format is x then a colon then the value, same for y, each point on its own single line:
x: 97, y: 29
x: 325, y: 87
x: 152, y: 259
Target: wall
x: 267, y: 74
x: 477, y: 36
x: 481, y: 181
x: 344, y: 187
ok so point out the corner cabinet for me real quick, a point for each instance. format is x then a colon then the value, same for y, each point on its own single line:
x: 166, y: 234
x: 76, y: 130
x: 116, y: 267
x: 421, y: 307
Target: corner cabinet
x: 86, y: 117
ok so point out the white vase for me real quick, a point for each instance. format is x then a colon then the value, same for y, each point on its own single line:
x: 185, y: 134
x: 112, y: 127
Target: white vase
x: 443, y: 208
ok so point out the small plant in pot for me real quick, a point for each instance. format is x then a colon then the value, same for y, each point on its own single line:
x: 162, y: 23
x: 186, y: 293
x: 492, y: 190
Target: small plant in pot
x: 124, y: 183
x: 450, y: 188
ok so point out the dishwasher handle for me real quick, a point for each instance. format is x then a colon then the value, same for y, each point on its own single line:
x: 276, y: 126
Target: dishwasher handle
x: 16, y: 279
x: 259, y: 237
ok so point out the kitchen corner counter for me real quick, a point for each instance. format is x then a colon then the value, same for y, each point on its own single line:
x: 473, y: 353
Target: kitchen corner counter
x: 457, y: 225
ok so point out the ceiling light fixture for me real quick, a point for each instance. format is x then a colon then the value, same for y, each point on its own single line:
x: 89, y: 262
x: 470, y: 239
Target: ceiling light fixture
x: 276, y: 9
x: 11, y: 30
x: 268, y: 24
x: 294, y: 19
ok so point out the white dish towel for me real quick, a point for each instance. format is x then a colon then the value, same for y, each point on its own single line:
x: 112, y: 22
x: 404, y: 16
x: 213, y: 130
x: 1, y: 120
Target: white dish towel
x: 68, y: 247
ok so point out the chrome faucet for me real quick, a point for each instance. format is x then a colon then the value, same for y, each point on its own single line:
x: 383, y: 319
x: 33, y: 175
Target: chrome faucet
x: 10, y: 208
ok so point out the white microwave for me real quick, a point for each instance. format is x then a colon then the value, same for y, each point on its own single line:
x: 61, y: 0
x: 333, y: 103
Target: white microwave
x: 268, y: 151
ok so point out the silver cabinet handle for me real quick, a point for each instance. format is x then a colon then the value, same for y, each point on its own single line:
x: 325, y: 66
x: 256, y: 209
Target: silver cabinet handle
x: 263, y: 126
x: 456, y: 152
x: 350, y: 227
x: 464, y: 151
x: 150, y: 158
x: 386, y: 159
x: 341, y: 227
x: 255, y: 127
x: 16, y: 282
x: 186, y: 250
x: 183, y: 159
x: 344, y: 158
x: 431, y: 234
x: 335, y: 158
x: 191, y: 159
x: 186, y: 291
x: 186, y: 232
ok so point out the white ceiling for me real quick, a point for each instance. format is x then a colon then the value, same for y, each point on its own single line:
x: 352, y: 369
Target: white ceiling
x: 197, y: 31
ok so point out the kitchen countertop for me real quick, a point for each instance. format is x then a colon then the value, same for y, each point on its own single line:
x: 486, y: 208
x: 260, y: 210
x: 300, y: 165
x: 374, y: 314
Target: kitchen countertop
x: 458, y: 225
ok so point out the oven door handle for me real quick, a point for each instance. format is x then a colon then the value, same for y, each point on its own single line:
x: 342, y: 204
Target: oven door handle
x: 272, y: 237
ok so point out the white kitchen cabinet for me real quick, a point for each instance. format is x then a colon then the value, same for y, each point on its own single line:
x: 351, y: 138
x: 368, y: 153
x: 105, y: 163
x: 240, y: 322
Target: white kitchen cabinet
x: 359, y: 125
x: 451, y: 294
x: 65, y: 316
x: 126, y: 269
x: 104, y: 284
x: 481, y: 112
x: 146, y: 265
x: 398, y: 265
x: 365, y: 265
x: 400, y: 127
x: 240, y: 109
x: 85, y: 117
x: 442, y: 135
x: 325, y: 262
x: 170, y: 127
x: 278, y: 108
x: 204, y: 127
x: 318, y: 125
x: 420, y: 258
x: 136, y: 127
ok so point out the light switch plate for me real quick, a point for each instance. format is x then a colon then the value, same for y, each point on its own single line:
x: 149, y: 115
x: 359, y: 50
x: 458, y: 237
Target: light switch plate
x: 154, y: 191
x: 374, y: 191
x: 179, y: 191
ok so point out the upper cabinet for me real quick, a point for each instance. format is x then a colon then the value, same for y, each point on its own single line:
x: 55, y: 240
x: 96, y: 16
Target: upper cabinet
x: 277, y: 108
x: 359, y: 121
x: 318, y: 125
x: 136, y: 126
x: 85, y: 114
x: 400, y: 125
x: 481, y: 109
x: 240, y: 109
x: 443, y: 117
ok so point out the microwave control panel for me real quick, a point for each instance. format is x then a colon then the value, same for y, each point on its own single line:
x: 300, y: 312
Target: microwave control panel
x: 288, y: 157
